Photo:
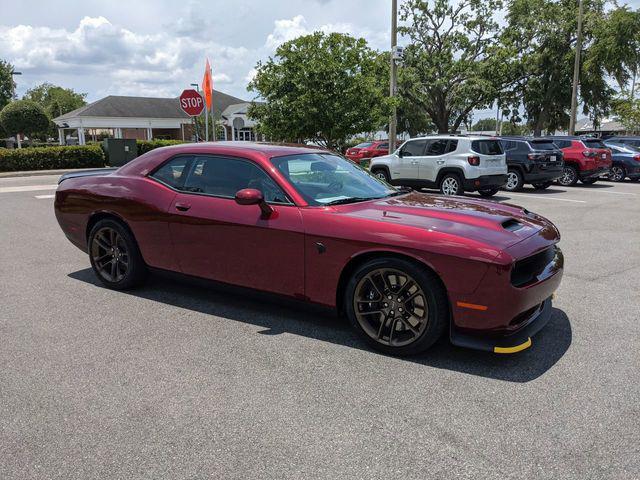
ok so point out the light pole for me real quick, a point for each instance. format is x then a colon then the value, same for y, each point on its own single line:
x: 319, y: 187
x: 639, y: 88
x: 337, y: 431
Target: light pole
x: 576, y: 74
x: 393, y: 79
x: 13, y: 86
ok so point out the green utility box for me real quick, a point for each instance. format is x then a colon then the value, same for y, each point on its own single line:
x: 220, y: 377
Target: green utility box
x: 119, y: 150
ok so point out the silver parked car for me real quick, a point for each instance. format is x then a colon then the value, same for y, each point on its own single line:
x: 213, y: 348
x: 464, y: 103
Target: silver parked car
x: 454, y: 164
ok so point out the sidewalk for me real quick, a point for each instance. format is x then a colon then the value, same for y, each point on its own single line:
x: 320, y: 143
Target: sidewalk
x: 34, y: 173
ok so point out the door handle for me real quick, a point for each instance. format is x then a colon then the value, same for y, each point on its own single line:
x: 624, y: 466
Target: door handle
x: 183, y: 207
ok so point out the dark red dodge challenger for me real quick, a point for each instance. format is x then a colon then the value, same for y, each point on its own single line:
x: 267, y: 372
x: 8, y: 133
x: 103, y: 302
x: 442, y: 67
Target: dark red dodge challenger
x: 405, y: 267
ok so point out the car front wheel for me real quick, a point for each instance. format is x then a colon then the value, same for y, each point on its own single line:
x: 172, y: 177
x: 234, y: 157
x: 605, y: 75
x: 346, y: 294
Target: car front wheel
x: 569, y: 176
x: 397, y: 306
x: 617, y: 173
x: 114, y: 255
x: 382, y: 174
x: 451, y: 185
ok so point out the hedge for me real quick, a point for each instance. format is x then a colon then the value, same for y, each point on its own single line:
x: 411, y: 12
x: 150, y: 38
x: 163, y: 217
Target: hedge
x: 145, y: 146
x: 50, y: 158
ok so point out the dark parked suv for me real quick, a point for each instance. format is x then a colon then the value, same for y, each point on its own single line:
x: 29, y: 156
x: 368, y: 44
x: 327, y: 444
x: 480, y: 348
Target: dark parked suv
x: 531, y: 160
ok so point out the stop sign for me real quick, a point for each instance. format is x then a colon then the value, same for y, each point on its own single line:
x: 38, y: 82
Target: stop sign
x: 191, y: 102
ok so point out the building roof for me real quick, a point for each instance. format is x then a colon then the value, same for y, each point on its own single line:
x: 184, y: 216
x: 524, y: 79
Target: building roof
x: 606, y: 125
x: 144, y: 107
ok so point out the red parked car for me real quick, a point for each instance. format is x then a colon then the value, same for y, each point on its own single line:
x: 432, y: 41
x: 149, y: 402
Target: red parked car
x: 585, y: 159
x: 367, y: 150
x: 405, y: 267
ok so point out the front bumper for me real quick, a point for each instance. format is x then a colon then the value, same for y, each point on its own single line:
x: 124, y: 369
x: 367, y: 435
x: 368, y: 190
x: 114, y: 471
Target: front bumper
x: 484, y: 182
x: 513, y: 343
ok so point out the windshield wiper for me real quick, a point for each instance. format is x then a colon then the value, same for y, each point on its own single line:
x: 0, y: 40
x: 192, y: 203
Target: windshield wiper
x: 342, y: 201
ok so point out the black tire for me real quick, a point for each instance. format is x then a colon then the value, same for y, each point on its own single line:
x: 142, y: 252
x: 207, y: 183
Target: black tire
x: 450, y: 184
x: 424, y: 334
x: 569, y: 176
x: 130, y: 269
x: 489, y: 192
x: 589, y: 181
x: 617, y: 173
x: 515, y: 180
x: 542, y: 186
x: 382, y: 174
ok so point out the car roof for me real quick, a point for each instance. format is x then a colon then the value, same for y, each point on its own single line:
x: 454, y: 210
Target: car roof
x: 453, y: 136
x: 269, y: 149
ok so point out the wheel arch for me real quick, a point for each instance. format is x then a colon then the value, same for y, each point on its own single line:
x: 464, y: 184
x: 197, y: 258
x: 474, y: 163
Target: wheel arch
x: 95, y: 217
x: 363, y: 257
x: 443, y: 171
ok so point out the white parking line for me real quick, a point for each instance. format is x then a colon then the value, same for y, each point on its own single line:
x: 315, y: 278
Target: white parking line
x: 546, y: 197
x: 614, y: 193
x: 27, y: 188
x: 40, y: 197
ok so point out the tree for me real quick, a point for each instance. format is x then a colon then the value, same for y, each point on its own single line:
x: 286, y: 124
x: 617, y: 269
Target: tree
x: 627, y: 112
x: 55, y: 101
x: 454, y: 63
x: 7, y: 85
x: 320, y: 87
x: 544, y: 32
x: 23, y: 117
x: 484, y: 125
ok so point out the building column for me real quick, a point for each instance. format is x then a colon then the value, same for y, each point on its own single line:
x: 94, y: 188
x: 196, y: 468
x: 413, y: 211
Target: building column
x: 81, y: 140
x: 233, y: 133
x: 118, y: 133
x: 149, y: 134
x: 61, y: 136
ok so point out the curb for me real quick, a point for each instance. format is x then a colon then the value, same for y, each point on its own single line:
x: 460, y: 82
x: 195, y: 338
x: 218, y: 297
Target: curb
x: 36, y: 173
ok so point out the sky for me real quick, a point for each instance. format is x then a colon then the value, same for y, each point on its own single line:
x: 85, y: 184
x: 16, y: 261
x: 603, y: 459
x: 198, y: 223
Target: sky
x: 157, y: 48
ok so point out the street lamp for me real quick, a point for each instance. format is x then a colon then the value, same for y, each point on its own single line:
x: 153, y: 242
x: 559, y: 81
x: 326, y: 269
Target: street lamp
x: 13, y: 86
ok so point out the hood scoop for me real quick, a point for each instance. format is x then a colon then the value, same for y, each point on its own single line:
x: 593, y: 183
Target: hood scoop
x: 512, y: 225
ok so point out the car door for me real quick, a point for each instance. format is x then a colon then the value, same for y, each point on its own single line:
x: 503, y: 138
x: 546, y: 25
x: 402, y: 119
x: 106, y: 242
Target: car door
x: 408, y: 164
x: 216, y: 238
x: 433, y: 158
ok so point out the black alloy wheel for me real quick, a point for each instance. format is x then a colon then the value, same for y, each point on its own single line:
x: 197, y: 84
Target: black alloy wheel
x: 617, y: 173
x: 114, y: 255
x: 397, y: 307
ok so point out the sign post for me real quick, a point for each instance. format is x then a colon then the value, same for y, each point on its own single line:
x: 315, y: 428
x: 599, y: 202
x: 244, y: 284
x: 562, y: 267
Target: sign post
x: 192, y: 103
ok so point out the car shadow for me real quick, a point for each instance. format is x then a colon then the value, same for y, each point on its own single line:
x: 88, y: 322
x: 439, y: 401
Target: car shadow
x: 546, y: 191
x: 276, y: 315
x: 594, y: 185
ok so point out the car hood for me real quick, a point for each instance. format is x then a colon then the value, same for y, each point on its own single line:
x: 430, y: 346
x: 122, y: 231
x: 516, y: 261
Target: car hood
x: 497, y: 224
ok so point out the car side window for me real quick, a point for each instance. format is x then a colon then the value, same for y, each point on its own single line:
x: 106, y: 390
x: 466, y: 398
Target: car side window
x: 173, y: 172
x: 436, y: 147
x: 383, y: 146
x: 413, y: 148
x: 223, y: 177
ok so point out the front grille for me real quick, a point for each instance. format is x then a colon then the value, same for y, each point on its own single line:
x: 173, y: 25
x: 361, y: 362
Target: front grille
x: 524, y: 316
x: 528, y: 269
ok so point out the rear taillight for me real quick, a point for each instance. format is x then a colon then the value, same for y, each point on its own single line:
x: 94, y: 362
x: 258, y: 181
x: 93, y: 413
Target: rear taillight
x: 637, y: 157
x: 475, y: 161
x: 589, y: 153
x: 535, y: 156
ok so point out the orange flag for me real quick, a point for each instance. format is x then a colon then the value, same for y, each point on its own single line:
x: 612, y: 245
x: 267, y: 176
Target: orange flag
x: 207, y: 85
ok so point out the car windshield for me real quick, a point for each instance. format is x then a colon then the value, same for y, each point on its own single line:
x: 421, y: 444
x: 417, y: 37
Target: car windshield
x: 593, y: 143
x: 542, y: 145
x: 325, y: 179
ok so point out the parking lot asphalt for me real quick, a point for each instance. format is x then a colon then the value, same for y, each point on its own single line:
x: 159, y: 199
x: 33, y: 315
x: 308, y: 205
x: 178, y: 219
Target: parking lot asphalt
x: 180, y: 381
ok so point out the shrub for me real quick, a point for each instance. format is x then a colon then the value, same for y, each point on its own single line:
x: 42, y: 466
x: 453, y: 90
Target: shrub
x: 145, y: 146
x: 50, y: 158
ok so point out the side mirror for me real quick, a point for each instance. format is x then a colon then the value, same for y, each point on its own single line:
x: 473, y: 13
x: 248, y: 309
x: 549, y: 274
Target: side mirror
x: 251, y: 196
x: 400, y: 153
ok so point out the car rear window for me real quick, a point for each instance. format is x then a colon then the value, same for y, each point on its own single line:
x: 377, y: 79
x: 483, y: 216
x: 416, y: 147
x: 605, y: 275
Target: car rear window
x: 487, y: 147
x: 364, y: 145
x: 594, y: 143
x: 542, y: 145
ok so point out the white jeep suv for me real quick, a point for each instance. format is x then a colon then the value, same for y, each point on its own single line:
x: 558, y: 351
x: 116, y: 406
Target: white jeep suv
x: 451, y: 163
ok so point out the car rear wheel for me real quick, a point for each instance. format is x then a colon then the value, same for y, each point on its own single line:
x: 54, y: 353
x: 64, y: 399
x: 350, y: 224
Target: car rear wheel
x: 569, y: 176
x: 451, y: 185
x: 396, y: 306
x: 617, y: 173
x: 381, y: 173
x: 114, y: 255
x: 515, y: 181
x: 542, y: 186
x: 488, y: 192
